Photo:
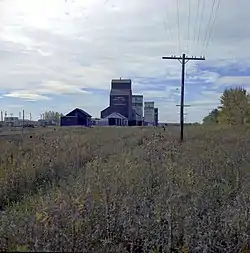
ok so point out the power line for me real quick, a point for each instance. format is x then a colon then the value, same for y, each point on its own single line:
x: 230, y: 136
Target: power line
x: 178, y: 23
x: 197, y: 33
x: 212, y: 26
x: 201, y: 21
x: 196, y: 23
x: 208, y: 26
x: 189, y: 10
x: 167, y: 28
x: 183, y: 60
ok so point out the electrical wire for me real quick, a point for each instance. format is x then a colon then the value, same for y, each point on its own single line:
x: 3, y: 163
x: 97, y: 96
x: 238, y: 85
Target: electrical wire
x: 203, y: 24
x: 189, y: 10
x: 197, y: 18
x: 167, y: 28
x: 201, y: 21
x: 178, y: 24
x: 212, y: 26
x: 167, y: 25
x: 208, y: 27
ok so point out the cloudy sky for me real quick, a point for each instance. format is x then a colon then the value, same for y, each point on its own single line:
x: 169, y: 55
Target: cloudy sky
x: 61, y: 54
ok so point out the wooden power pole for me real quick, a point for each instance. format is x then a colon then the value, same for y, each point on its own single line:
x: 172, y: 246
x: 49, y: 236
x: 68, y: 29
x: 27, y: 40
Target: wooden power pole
x: 23, y: 122
x: 183, y: 60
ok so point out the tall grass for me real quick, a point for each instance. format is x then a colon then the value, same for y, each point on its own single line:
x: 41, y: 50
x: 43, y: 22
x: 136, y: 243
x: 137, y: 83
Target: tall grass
x: 126, y: 190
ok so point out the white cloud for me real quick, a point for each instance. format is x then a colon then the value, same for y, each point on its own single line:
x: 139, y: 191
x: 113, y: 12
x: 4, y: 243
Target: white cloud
x: 27, y: 96
x: 61, y: 47
x: 168, y: 93
x: 234, y: 80
x: 14, y: 106
x: 56, y: 87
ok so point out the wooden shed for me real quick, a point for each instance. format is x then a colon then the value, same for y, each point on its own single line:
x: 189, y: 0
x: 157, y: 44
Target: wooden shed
x: 116, y: 119
x: 77, y: 117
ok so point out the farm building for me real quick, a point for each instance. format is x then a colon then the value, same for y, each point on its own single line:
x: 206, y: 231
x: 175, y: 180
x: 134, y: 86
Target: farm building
x: 120, y: 99
x: 44, y: 122
x: 11, y: 121
x: 114, y: 119
x: 77, y: 117
x: 102, y: 122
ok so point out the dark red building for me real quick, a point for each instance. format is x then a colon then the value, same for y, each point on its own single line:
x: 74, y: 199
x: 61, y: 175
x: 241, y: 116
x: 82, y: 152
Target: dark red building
x: 77, y: 117
x: 120, y: 99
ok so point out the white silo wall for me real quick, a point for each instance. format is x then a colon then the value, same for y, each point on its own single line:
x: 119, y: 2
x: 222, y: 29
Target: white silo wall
x: 149, y: 115
x: 149, y: 104
x: 149, y: 112
x: 137, y: 102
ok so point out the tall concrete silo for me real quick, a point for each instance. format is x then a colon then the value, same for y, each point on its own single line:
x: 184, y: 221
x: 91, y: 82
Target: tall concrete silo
x: 137, y: 104
x: 149, y: 113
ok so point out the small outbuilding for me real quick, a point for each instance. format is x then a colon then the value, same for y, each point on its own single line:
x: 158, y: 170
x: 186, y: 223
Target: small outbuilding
x: 77, y: 117
x: 116, y: 119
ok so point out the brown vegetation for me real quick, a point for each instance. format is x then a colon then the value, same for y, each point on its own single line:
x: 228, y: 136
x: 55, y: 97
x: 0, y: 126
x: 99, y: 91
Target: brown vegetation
x: 125, y: 190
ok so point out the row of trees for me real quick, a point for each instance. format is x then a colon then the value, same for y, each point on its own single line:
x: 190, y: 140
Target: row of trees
x: 52, y: 116
x: 234, y: 109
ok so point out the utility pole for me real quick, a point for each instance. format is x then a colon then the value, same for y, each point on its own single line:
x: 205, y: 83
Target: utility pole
x: 184, y: 114
x: 183, y: 60
x: 23, y: 122
x: 5, y: 118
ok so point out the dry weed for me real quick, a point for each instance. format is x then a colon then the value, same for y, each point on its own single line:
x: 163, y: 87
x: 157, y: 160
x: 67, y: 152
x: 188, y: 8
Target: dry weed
x: 126, y: 190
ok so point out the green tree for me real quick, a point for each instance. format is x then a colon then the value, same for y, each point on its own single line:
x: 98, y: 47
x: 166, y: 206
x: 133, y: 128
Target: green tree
x: 212, y: 117
x: 222, y: 119
x: 235, y: 106
x: 53, y: 116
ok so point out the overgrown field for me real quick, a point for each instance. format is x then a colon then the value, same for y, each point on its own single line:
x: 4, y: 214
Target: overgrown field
x: 125, y: 190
